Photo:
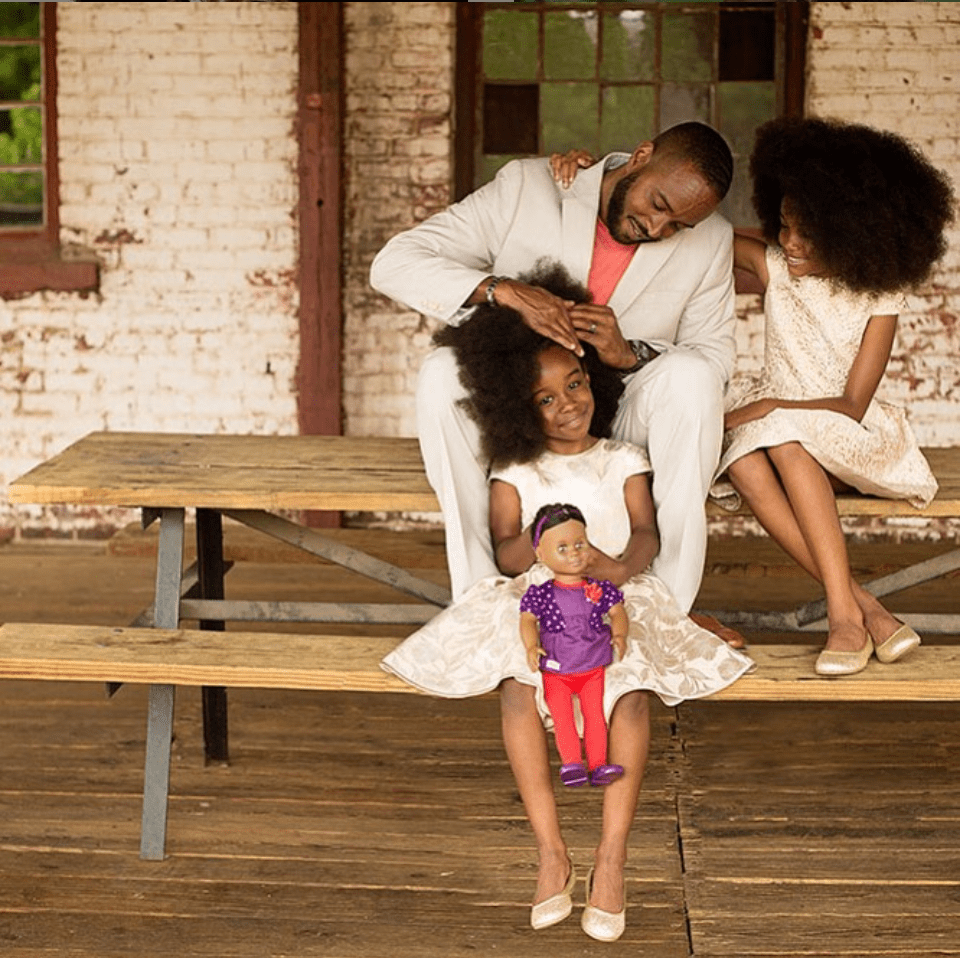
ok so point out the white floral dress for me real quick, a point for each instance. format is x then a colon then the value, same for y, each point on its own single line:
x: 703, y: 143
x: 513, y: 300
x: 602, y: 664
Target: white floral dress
x: 473, y: 645
x: 813, y: 332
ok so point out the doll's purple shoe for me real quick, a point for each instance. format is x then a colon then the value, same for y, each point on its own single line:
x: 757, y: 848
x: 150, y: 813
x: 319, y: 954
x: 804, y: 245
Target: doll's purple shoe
x: 605, y: 774
x: 574, y: 774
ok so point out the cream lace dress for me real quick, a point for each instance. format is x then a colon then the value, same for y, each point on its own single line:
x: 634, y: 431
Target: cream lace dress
x: 812, y: 335
x: 473, y: 645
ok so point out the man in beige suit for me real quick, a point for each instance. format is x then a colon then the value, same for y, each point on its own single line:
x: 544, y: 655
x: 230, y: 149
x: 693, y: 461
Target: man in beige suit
x: 642, y: 231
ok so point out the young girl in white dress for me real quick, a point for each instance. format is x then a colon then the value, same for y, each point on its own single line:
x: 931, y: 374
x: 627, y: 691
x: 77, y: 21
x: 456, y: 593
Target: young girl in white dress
x: 541, y: 425
x: 854, y: 217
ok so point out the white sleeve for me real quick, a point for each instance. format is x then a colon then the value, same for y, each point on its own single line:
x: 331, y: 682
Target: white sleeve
x: 631, y: 459
x: 435, y: 266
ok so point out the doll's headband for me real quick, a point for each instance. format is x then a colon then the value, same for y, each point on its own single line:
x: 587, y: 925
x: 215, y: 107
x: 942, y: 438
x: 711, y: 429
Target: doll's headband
x: 553, y: 515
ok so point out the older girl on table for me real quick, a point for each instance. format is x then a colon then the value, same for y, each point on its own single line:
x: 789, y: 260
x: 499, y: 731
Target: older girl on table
x: 853, y: 217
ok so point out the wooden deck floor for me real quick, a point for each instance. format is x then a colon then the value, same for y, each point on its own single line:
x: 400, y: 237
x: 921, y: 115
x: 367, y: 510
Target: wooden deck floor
x: 374, y: 826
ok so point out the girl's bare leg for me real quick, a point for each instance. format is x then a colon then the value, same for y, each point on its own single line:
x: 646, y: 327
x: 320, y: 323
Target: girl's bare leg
x: 756, y: 479
x: 810, y: 497
x: 629, y: 745
x: 525, y: 740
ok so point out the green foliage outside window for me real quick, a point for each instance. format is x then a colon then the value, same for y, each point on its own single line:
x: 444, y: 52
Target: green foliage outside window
x: 21, y: 126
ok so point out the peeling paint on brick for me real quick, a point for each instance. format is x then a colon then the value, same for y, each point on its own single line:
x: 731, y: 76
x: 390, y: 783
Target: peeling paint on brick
x: 116, y: 237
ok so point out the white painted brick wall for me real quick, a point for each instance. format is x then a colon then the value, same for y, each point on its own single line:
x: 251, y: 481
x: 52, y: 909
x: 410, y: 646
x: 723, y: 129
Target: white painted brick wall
x: 398, y: 153
x: 178, y: 166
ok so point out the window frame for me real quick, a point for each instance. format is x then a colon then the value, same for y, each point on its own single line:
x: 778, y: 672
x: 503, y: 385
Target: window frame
x: 468, y: 76
x: 32, y: 260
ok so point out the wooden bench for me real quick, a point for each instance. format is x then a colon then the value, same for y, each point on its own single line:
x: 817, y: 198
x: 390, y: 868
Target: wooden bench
x: 337, y: 663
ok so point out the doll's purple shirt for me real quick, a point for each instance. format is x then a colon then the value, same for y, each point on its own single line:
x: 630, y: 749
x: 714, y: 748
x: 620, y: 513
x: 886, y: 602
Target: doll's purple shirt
x: 572, y: 630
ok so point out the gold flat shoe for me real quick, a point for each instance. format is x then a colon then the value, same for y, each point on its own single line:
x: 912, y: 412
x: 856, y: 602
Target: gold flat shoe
x: 902, y: 641
x: 599, y: 924
x: 830, y: 662
x: 556, y: 907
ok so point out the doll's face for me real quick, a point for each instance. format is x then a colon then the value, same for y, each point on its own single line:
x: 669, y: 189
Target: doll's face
x: 802, y: 259
x: 564, y: 401
x: 564, y: 549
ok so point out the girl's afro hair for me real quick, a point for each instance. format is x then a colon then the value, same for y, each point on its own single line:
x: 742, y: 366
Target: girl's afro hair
x: 871, y: 205
x: 497, y: 360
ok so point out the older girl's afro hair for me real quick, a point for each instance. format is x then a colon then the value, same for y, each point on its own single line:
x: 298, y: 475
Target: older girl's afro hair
x: 497, y: 360
x: 872, y: 206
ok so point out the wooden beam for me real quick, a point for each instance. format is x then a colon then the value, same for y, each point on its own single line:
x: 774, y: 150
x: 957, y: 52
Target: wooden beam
x: 292, y: 660
x: 319, y: 124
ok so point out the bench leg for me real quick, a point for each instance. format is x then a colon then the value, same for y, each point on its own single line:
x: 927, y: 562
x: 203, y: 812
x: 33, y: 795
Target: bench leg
x: 156, y: 776
x: 210, y: 569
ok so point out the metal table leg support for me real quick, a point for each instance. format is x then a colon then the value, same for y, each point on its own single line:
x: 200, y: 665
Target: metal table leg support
x: 316, y: 544
x: 811, y: 617
x: 156, y: 779
x: 211, y: 571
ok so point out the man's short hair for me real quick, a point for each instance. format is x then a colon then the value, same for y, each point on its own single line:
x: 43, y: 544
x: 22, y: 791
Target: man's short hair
x: 702, y: 146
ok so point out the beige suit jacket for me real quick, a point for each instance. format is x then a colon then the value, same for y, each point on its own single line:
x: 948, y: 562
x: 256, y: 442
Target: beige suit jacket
x: 676, y: 293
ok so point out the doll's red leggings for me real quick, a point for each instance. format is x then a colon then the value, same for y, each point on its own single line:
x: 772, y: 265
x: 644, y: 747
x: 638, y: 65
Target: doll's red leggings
x: 559, y: 691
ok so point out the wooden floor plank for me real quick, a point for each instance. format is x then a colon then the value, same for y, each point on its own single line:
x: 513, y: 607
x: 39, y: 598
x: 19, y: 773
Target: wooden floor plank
x: 431, y: 926
x: 364, y: 826
x: 845, y: 821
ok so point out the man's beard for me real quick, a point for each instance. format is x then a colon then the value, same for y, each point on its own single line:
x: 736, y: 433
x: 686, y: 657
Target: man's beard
x: 615, y: 208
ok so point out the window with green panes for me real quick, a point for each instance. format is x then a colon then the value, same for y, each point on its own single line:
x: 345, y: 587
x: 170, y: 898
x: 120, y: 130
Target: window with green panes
x: 535, y: 78
x: 22, y: 170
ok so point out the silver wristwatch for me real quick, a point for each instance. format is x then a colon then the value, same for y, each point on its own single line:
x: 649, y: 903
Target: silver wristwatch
x: 643, y: 352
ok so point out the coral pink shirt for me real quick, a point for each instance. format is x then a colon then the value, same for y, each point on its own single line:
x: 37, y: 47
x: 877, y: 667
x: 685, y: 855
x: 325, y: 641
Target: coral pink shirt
x: 610, y: 260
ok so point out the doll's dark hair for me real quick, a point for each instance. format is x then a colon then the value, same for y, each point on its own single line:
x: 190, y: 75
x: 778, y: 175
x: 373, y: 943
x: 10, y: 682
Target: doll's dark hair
x: 497, y: 357
x: 870, y: 203
x: 551, y: 515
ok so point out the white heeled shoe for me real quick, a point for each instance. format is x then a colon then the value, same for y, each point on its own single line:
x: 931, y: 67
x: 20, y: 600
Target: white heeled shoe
x: 599, y: 924
x: 830, y: 662
x: 556, y: 907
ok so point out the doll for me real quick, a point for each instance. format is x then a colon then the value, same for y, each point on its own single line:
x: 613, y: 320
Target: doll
x: 566, y: 637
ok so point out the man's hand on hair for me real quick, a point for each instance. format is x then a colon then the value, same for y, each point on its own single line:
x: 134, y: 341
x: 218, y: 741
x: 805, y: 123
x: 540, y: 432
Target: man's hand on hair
x: 543, y: 312
x: 597, y: 325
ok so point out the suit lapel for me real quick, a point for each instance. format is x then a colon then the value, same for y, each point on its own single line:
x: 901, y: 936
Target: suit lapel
x: 646, y: 263
x: 578, y: 222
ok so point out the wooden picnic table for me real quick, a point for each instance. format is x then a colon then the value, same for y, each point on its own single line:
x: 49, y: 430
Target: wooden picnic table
x: 260, y: 481
x: 265, y: 482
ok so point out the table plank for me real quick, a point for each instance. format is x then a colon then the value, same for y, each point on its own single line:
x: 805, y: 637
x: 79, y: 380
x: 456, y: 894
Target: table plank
x: 288, y: 660
x: 232, y: 472
x: 180, y: 470
x: 785, y: 673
